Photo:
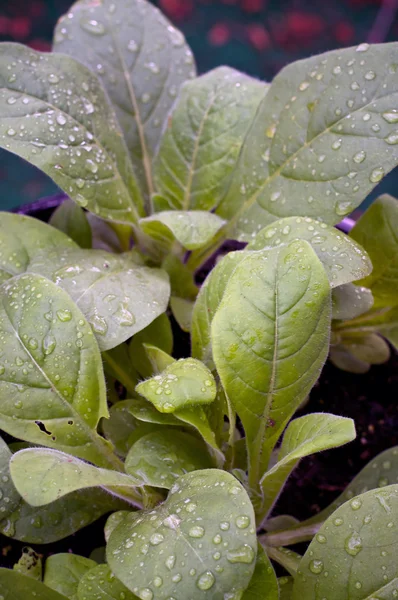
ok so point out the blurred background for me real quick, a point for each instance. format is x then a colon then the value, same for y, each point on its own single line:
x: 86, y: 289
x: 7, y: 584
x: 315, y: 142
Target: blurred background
x: 258, y: 37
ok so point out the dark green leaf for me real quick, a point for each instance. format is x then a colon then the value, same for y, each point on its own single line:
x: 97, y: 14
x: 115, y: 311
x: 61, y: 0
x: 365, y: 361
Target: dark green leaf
x: 182, y: 311
x: 264, y: 584
x: 120, y: 425
x: 14, y: 586
x: 159, y: 334
x: 64, y: 571
x: 71, y: 219
x: 101, y: 584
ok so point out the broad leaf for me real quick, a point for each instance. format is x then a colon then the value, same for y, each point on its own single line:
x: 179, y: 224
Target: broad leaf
x: 270, y: 338
x: 349, y: 301
x: 264, y: 584
x: 117, y: 364
x: 200, y: 148
x: 367, y: 347
x: 184, y: 383
x: 343, y: 259
x: 146, y: 412
x: 9, y: 497
x: 120, y: 425
x: 159, y: 458
x: 104, y: 237
x: 285, y: 588
x: 101, y: 584
x: 304, y: 436
x: 192, y: 228
x: 52, y: 389
x: 323, y: 137
x: 21, y: 238
x: 113, y: 521
x: 197, y: 418
x: 342, y: 358
x: 181, y: 278
x: 201, y: 541
x: 142, y: 61
x: 377, y: 231
x: 159, y: 360
x: 30, y: 564
x: 14, y: 586
x: 357, y: 547
x: 157, y: 333
x: 117, y: 296
x: 42, y: 476
x: 55, y: 114
x: 71, y: 219
x: 182, y: 312
x: 64, y: 571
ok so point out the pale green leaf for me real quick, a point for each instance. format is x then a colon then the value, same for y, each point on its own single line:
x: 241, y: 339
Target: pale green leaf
x: 197, y: 418
x: 181, y: 278
x: 264, y: 584
x: 200, y: 148
x: 118, y: 364
x: 71, y: 219
x: 343, y: 259
x: 182, y: 311
x: 64, y: 571
x: 270, y: 338
x: 146, y: 412
x: 120, y: 425
x: 14, y: 586
x: 203, y: 536
x: 158, y: 333
x: 368, y: 347
x: 342, y: 358
x: 357, y: 547
x: 158, y: 359
x: 30, y: 564
x: 184, y: 383
x: 349, y: 301
x: 101, y: 584
x: 7, y: 489
x: 323, y: 137
x: 55, y: 114
x: 113, y: 521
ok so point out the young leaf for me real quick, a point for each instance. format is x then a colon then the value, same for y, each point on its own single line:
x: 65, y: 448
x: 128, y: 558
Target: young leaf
x: 182, y: 312
x: 55, y: 114
x: 14, y: 586
x: 343, y: 259
x: 184, y: 383
x: 42, y: 476
x: 159, y: 458
x: 29, y: 564
x: 113, y: 521
x: 117, y: 296
x: 264, y: 584
x: 369, y: 347
x: 52, y: 393
x: 21, y: 238
x: 349, y: 301
x: 192, y: 228
x: 201, y: 538
x: 64, y: 571
x: 285, y: 588
x: 181, y: 278
x: 146, y: 412
x: 120, y: 425
x: 304, y: 153
x: 142, y: 61
x: 270, y: 340
x: 376, y: 229
x: 304, y: 436
x: 357, y: 547
x: 200, y: 148
x: 342, y: 358
x: 7, y: 489
x: 117, y: 364
x: 101, y: 584
x: 71, y: 219
x: 157, y: 333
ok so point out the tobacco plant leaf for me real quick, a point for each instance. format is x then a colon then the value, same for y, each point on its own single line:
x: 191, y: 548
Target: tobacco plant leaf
x: 117, y: 364
x: 141, y: 60
x: 30, y: 564
x: 386, y: 324
x: 101, y: 584
x: 158, y: 359
x: 159, y: 458
x: 52, y: 388
x: 9, y: 497
x: 104, y: 237
x: 322, y: 138
x: 113, y: 521
x: 55, y: 114
x: 349, y: 301
x: 357, y: 547
x: 21, y: 238
x: 343, y: 259
x: 158, y: 333
x: 182, y: 312
x: 64, y: 571
x: 117, y: 296
x: 270, y: 338
x: 193, y: 229
x: 342, y: 358
x: 377, y: 229
x: 184, y: 383
x: 42, y: 475
x: 203, y: 536
x: 71, y: 219
x: 368, y: 347
x: 285, y: 588
x: 15, y: 586
x: 146, y: 412
x: 200, y: 148
x: 304, y: 436
x: 182, y: 280
x: 120, y: 425
x: 264, y: 584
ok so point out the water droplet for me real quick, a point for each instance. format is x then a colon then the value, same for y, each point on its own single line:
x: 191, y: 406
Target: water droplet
x: 353, y: 544
x: 244, y: 554
x: 196, y: 532
x: 321, y: 538
x: 80, y: 183
x: 343, y: 208
x: 392, y: 138
x: 370, y: 75
x: 153, y: 67
x: 337, y: 70
x: 49, y: 344
x: 170, y: 561
x: 11, y: 100
x: 316, y: 566
x: 359, y: 157
x: 145, y: 594
x: 33, y: 344
x: 91, y: 166
x: 158, y: 582
x: 156, y: 539
x: 93, y: 26
x: 64, y: 315
x: 377, y: 175
x: 217, y: 539
x: 132, y: 46
x: 338, y: 521
x: 303, y: 86
x: 52, y: 78
x: 242, y: 522
x: 99, y: 324
x: 355, y: 86
x: 206, y: 581
x: 124, y: 316
x: 391, y: 116
x: 81, y: 200
x: 61, y: 120
x: 356, y: 504
x: 224, y: 525
x: 336, y: 145
x: 145, y: 98
x: 11, y: 132
x: 362, y: 47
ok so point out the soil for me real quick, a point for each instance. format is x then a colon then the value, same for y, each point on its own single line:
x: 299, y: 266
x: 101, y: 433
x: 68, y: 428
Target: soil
x: 369, y: 399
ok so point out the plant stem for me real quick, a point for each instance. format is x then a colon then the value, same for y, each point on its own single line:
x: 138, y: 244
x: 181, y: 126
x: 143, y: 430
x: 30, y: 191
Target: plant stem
x: 287, y: 558
x: 128, y: 494
x: 291, y: 536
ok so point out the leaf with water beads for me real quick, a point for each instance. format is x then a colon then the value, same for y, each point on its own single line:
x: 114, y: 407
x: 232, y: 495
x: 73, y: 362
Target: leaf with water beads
x: 101, y: 584
x: 357, y: 548
x: 71, y: 219
x: 201, y: 541
x: 64, y: 571
x: 350, y: 301
x: 14, y: 586
x: 264, y: 584
x: 9, y: 497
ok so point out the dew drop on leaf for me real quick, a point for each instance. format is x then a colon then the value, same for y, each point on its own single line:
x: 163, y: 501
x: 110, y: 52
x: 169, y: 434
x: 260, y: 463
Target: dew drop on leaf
x: 93, y: 26
x: 377, y: 175
x: 316, y: 566
x: 244, y: 554
x: 353, y: 544
x: 391, y: 116
x: 206, y: 581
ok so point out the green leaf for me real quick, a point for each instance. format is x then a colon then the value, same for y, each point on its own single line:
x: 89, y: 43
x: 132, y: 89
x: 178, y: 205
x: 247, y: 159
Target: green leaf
x: 7, y: 489
x: 304, y: 436
x: 21, y: 238
x: 117, y: 296
x: 203, y: 536
x: 159, y: 458
x: 146, y: 412
x: 182, y: 311
x: 64, y: 571
x: 71, y: 219
x: 181, y: 278
x: 377, y: 231
x: 104, y: 237
x: 270, y: 338
x: 55, y: 114
x: 343, y: 259
x: 342, y: 358
x: 159, y: 334
x: 117, y: 364
x: 264, y: 584
x: 191, y: 228
x: 200, y: 148
x: 101, y: 584
x: 120, y: 425
x: 14, y: 586
x: 29, y: 564
x: 197, y: 418
x: 349, y: 301
x: 158, y: 359
x: 285, y: 588
x: 52, y: 389
x: 322, y: 138
x: 370, y: 348
x: 184, y: 383
x: 42, y: 476
x: 113, y: 521
x: 357, y: 547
